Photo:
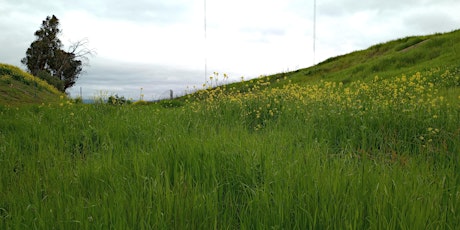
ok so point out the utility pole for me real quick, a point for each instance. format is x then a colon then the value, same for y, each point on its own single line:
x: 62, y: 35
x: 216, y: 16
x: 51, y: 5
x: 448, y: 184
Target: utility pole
x: 314, y: 32
x: 205, y: 46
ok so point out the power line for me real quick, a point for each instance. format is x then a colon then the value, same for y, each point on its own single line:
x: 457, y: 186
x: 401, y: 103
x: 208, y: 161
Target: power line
x: 205, y: 47
x: 314, y: 31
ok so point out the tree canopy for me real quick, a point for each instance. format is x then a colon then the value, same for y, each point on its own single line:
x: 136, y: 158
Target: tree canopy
x: 45, y: 58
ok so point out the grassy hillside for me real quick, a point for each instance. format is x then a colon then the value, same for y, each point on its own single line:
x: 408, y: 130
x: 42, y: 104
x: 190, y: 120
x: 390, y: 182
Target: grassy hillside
x: 18, y: 87
x: 403, y: 56
x: 386, y: 60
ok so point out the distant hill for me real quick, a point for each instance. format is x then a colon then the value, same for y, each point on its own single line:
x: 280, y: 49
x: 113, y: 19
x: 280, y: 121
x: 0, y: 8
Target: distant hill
x: 18, y: 87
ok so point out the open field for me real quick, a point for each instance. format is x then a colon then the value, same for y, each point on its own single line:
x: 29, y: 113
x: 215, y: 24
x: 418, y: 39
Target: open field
x: 377, y: 154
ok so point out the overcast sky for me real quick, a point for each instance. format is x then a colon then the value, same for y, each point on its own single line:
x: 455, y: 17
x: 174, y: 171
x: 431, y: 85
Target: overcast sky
x: 159, y: 45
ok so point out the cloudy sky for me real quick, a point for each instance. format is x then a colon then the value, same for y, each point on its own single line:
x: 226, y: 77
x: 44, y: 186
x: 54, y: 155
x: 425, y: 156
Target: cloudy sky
x: 158, y: 45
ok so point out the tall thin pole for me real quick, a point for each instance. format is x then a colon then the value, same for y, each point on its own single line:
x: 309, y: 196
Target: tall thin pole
x: 205, y: 46
x: 314, y: 31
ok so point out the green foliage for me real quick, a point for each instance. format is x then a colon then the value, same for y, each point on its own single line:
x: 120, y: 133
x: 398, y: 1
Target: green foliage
x: 54, y: 81
x: 141, y: 102
x: 116, y: 100
x: 78, y: 100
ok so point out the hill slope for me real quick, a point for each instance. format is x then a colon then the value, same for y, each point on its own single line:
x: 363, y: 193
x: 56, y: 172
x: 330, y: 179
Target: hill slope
x: 394, y: 58
x: 18, y: 87
x: 405, y: 56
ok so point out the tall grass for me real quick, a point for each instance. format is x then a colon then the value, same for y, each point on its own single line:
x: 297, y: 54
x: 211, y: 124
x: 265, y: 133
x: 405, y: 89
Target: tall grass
x: 375, y: 155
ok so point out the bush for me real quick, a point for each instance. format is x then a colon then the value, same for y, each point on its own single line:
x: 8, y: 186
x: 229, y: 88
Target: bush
x: 54, y: 81
x: 140, y: 102
x: 116, y: 100
x: 78, y: 100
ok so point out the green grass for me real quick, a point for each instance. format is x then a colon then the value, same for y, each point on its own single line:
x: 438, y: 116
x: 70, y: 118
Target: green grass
x: 18, y: 87
x: 320, y: 156
x: 329, y: 147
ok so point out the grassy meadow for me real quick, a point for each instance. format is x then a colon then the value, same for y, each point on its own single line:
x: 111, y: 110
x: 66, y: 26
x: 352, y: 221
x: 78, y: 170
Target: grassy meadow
x: 375, y: 154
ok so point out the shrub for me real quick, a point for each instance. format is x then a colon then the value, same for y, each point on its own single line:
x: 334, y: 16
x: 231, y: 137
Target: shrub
x: 140, y: 102
x: 116, y: 100
x: 52, y: 80
x: 78, y: 100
